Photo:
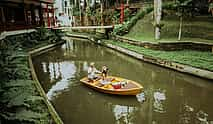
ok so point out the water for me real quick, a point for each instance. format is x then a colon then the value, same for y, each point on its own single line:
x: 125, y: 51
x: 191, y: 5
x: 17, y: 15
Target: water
x: 169, y: 97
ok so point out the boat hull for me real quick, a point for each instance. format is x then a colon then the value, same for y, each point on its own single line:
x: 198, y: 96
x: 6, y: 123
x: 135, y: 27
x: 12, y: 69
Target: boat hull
x: 132, y: 88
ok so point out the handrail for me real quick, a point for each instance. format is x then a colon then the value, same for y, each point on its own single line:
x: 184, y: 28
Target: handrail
x: 85, y: 27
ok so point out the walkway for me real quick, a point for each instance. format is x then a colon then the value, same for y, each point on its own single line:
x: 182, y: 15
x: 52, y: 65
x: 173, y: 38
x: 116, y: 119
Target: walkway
x: 86, y: 27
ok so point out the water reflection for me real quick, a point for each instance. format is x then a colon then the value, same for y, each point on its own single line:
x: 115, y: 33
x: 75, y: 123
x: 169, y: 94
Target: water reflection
x: 69, y: 70
x: 169, y: 97
x: 141, y: 97
x: 159, y: 100
x: 124, y: 114
x: 189, y: 115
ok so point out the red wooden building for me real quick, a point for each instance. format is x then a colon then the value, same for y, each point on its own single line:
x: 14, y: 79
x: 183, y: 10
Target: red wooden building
x: 25, y: 14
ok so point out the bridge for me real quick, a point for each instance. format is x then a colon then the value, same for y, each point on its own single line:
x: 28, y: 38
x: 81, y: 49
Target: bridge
x: 85, y: 27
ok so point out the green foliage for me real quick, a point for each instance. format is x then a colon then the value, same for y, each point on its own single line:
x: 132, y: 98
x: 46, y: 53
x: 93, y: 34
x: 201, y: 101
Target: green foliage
x: 23, y: 116
x: 14, y: 65
x: 47, y: 35
x: 127, y: 15
x: 17, y: 83
x: 20, y: 101
x: 76, y: 11
x: 120, y: 29
x: 183, y: 3
x: 124, y: 28
x: 17, y: 99
x: 116, y: 17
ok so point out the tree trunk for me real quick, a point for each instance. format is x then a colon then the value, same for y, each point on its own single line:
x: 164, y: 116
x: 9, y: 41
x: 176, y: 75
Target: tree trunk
x: 180, y: 28
x: 157, y: 16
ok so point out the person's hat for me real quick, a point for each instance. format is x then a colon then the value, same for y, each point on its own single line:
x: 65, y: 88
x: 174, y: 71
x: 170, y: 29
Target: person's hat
x: 92, y: 64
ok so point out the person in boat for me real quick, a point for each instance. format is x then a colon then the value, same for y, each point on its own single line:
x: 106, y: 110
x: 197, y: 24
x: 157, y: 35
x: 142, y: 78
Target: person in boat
x: 92, y: 72
x: 104, y: 72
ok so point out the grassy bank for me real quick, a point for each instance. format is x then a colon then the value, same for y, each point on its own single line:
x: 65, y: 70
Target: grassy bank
x: 20, y: 100
x: 194, y: 28
x: 197, y: 59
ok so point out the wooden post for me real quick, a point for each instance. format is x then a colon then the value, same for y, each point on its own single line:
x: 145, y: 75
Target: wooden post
x: 122, y: 12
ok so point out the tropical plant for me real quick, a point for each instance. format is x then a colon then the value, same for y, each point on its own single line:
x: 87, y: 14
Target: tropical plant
x: 124, y: 28
x: 20, y: 101
x: 16, y: 101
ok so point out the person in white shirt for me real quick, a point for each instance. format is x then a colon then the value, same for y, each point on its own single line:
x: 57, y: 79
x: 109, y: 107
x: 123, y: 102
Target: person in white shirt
x: 92, y: 72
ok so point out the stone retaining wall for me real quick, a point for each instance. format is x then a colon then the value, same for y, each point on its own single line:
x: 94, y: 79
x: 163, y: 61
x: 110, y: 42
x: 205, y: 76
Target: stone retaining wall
x: 35, y: 52
x: 167, y: 46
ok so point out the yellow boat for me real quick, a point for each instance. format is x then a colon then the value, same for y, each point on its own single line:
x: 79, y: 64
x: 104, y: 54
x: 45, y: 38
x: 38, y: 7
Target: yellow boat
x: 114, y: 85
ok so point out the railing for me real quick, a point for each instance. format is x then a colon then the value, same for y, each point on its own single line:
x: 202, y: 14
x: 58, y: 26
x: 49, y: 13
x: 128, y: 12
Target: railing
x: 85, y: 27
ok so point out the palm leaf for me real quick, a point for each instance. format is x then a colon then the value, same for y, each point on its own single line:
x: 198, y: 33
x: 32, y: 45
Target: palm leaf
x: 18, y: 101
x: 14, y: 92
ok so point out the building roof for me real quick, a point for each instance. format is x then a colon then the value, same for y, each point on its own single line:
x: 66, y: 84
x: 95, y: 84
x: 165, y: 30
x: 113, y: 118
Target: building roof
x: 47, y: 1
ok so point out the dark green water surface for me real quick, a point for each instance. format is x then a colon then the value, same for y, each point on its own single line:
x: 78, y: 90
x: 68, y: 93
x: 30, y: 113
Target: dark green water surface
x: 170, y: 97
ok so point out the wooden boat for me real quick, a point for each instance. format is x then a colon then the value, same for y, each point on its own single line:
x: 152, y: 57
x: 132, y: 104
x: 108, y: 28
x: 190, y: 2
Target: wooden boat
x: 114, y: 85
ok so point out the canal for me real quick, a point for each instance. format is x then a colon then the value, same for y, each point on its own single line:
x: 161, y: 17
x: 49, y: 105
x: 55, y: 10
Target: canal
x: 170, y: 97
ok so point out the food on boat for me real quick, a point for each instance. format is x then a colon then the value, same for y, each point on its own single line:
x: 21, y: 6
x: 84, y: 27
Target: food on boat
x: 114, y: 85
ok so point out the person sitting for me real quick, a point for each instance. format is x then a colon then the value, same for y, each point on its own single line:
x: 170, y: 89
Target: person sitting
x: 104, y: 72
x: 104, y: 81
x: 92, y: 72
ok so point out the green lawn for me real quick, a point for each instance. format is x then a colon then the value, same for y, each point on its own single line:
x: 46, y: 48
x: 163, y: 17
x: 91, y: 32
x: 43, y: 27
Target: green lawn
x: 194, y: 29
x: 198, y: 59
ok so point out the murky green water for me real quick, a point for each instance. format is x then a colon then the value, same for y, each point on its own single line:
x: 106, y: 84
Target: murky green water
x: 171, y: 97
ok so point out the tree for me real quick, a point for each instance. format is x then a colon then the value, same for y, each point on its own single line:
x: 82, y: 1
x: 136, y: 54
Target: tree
x: 182, y: 7
x: 157, y: 16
